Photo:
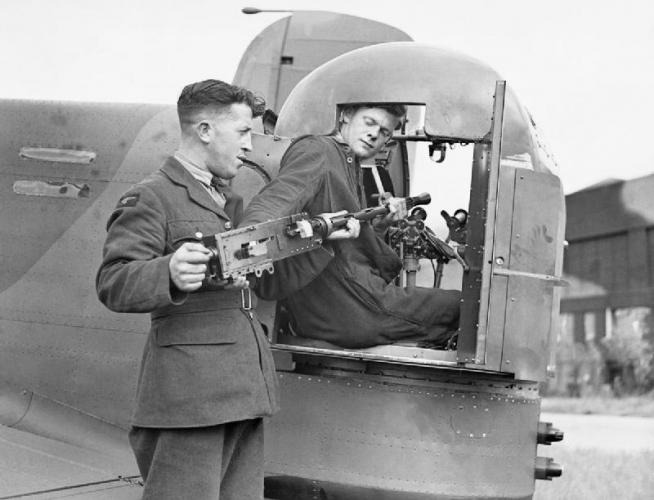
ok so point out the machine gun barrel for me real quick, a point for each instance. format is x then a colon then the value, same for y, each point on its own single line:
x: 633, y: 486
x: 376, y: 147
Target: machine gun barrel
x: 325, y: 228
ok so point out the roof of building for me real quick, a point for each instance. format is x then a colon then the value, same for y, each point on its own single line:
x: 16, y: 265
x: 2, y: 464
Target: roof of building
x: 610, y: 207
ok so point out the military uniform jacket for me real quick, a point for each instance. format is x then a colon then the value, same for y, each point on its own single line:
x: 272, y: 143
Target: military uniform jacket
x: 206, y: 361
x: 343, y: 293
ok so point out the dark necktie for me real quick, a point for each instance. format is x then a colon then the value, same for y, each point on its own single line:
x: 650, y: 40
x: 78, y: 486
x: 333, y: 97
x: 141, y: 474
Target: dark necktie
x: 219, y: 186
x: 231, y: 204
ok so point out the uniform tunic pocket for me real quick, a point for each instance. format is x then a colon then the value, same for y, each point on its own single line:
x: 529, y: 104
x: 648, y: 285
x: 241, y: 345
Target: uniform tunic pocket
x: 198, y: 328
x: 182, y: 231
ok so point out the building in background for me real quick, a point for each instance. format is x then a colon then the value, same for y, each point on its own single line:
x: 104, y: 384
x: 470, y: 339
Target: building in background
x: 607, y: 333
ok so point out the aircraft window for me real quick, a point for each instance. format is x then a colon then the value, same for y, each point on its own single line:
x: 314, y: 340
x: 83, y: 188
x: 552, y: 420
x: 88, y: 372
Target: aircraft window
x: 60, y: 155
x: 448, y: 183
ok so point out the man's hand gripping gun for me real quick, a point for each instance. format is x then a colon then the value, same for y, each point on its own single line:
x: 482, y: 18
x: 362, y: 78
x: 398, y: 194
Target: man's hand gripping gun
x: 253, y: 249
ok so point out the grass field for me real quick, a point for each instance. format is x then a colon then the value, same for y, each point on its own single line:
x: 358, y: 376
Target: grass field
x: 601, y: 462
x: 634, y: 406
x: 591, y: 474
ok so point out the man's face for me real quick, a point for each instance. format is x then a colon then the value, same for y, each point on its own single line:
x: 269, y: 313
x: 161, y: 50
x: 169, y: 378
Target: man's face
x: 367, y: 130
x: 229, y: 136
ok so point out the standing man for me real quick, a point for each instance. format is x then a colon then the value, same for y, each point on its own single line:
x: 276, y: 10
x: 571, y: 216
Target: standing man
x: 207, y: 376
x: 344, y: 293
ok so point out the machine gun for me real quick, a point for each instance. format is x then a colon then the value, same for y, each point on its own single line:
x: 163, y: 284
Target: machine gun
x: 254, y: 248
x: 413, y: 240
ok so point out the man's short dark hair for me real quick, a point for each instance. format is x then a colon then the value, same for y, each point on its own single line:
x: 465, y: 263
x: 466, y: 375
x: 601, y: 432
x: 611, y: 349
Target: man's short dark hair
x: 216, y: 95
x: 397, y: 110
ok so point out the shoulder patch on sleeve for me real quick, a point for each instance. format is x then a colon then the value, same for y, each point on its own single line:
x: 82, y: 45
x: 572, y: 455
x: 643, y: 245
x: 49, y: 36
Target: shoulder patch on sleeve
x: 128, y: 200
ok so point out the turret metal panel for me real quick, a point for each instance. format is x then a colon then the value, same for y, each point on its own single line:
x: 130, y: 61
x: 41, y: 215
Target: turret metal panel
x: 456, y: 89
x: 526, y: 269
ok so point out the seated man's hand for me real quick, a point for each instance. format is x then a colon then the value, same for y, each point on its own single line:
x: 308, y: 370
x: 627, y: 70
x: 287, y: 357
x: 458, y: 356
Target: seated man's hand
x: 349, y: 232
x: 188, y: 266
x: 396, y: 211
x: 396, y: 208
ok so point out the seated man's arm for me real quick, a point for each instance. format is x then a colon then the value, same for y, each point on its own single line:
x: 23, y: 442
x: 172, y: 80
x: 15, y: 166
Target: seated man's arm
x: 397, y: 211
x: 301, y: 178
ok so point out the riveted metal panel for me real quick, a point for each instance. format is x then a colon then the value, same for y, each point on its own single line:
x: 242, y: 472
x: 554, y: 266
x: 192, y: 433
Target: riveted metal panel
x: 500, y: 259
x: 537, y: 213
x: 78, y: 360
x: 527, y: 327
x: 475, y: 311
x: 529, y: 245
x: 474, y: 255
x: 43, y: 199
x: 389, y: 438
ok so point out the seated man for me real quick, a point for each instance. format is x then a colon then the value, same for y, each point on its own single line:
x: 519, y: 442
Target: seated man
x: 344, y: 293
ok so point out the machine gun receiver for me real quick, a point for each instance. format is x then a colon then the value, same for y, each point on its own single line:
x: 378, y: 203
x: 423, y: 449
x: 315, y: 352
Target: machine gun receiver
x: 253, y: 249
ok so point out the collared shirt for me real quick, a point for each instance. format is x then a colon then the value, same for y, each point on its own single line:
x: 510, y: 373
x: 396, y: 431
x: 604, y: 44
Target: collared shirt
x: 355, y: 173
x: 204, y: 176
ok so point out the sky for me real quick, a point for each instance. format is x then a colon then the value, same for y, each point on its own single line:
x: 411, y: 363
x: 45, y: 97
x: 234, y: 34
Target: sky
x: 584, y: 69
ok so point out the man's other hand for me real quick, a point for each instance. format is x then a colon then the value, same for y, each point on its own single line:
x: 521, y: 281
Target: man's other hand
x: 239, y: 283
x: 396, y: 211
x: 349, y: 232
x: 396, y: 208
x: 188, y: 266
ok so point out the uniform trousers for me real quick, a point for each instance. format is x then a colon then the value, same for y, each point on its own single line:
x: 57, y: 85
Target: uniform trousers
x: 221, y: 462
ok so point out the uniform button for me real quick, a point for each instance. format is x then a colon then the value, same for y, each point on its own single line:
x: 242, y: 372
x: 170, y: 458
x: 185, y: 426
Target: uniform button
x: 349, y: 159
x: 228, y: 225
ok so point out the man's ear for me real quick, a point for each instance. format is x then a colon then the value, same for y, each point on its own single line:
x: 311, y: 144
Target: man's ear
x: 203, y: 129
